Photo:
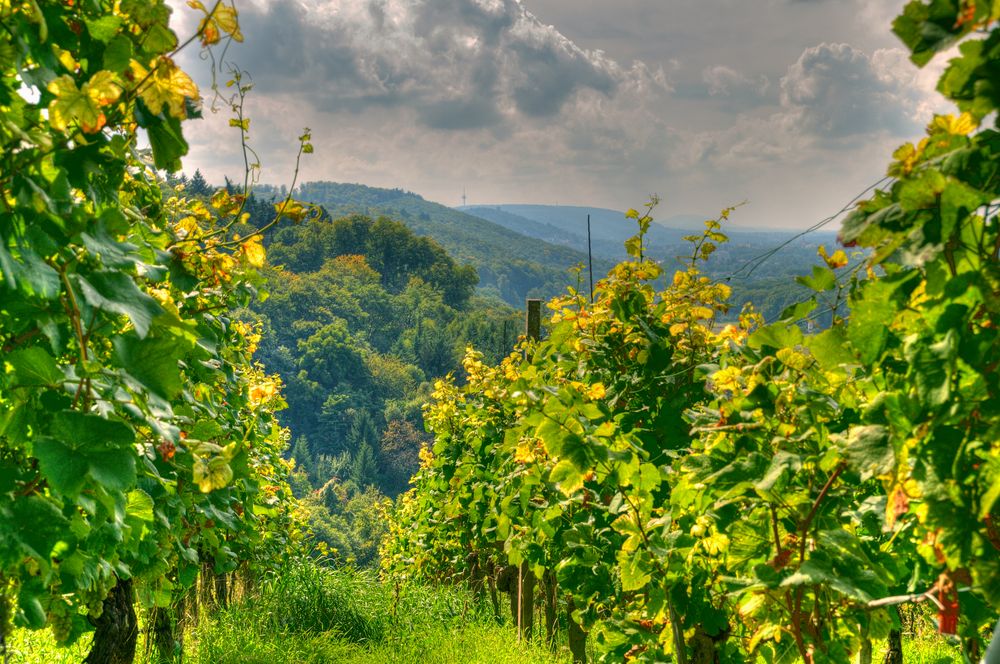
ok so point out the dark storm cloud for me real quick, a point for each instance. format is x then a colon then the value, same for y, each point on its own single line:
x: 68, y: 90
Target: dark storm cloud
x: 459, y: 64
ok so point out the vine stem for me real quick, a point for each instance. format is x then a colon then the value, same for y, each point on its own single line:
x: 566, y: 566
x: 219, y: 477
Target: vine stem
x: 815, y: 508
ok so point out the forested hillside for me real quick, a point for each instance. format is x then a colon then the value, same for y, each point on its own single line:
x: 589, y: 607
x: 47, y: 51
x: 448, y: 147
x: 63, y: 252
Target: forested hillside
x: 757, y: 264
x: 362, y: 316
x: 510, y: 265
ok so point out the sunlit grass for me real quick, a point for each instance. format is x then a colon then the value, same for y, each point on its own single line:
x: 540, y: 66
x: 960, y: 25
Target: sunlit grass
x: 309, y: 614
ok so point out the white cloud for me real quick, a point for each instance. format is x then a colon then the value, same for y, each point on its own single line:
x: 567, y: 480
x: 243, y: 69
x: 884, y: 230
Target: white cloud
x: 725, y: 81
x: 837, y: 91
x: 431, y: 95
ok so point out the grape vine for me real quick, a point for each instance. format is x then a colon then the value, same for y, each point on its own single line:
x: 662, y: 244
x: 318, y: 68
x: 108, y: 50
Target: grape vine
x: 707, y: 493
x: 138, y: 440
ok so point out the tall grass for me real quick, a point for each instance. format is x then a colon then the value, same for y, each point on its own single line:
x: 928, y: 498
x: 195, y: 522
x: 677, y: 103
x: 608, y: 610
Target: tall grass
x: 307, y: 613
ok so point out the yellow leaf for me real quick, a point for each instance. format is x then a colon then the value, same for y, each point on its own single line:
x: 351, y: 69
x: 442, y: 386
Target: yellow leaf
x: 168, y: 86
x: 211, y: 474
x: 701, y: 312
x: 792, y: 358
x: 292, y: 209
x: 727, y: 380
x: 524, y: 453
x: 253, y: 252
x: 82, y: 105
x: 222, y: 20
x: 837, y: 260
x: 963, y: 125
x: 67, y: 60
x: 103, y: 88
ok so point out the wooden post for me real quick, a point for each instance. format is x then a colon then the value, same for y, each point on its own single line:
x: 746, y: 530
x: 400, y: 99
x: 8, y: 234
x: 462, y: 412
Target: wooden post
x: 533, y: 320
x: 525, y: 601
x: 577, y: 636
x: 590, y: 260
x: 550, y: 608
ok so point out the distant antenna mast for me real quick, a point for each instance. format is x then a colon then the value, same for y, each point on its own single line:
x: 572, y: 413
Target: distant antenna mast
x: 463, y: 197
x: 590, y: 260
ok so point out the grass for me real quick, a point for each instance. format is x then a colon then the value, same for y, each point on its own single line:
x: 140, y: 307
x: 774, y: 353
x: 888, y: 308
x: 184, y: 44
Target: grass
x: 309, y: 614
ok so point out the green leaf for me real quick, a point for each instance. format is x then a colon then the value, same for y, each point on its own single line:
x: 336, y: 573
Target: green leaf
x: 782, y: 465
x: 153, y: 362
x: 84, y: 431
x: 869, y: 451
x: 958, y: 201
x: 32, y: 612
x: 139, y: 505
x: 103, y: 29
x: 829, y: 347
x: 63, y: 468
x: 115, y: 469
x: 66, y: 466
x: 797, y: 311
x: 930, y: 366
x: 35, y: 276
x: 118, y: 54
x: 34, y: 367
x: 778, y: 335
x: 822, y: 279
x: 165, y: 137
x: 922, y: 192
x: 118, y: 293
x: 32, y: 526
x: 634, y: 570
x: 871, y: 312
x: 927, y: 28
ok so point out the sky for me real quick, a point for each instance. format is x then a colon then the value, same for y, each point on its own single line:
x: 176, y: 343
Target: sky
x: 793, y: 106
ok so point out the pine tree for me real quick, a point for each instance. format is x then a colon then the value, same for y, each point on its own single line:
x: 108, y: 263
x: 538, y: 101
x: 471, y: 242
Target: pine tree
x: 198, y: 186
x: 364, y: 468
x: 363, y: 431
x: 303, y: 458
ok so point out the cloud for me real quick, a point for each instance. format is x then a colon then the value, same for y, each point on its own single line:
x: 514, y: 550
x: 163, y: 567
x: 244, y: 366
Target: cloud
x: 838, y: 91
x: 456, y: 64
x: 431, y: 95
x: 724, y: 81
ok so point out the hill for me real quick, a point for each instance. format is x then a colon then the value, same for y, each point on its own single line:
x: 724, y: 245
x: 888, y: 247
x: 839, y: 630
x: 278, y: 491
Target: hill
x: 510, y: 264
x: 567, y: 225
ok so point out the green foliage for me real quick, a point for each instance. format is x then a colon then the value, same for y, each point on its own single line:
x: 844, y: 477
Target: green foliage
x: 356, y: 350
x: 137, y: 437
x: 510, y: 265
x: 696, y: 489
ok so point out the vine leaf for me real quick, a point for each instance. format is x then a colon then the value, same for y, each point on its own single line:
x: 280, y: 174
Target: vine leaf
x: 34, y: 367
x: 82, y: 105
x: 869, y: 451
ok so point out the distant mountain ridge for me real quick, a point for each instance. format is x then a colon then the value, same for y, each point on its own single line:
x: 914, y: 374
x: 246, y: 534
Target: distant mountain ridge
x: 524, y: 251
x: 567, y: 225
x: 606, y: 223
x: 511, y: 264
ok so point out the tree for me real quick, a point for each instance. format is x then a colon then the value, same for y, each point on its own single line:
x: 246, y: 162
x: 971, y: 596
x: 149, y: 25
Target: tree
x: 364, y: 466
x: 197, y: 186
x: 302, y: 456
